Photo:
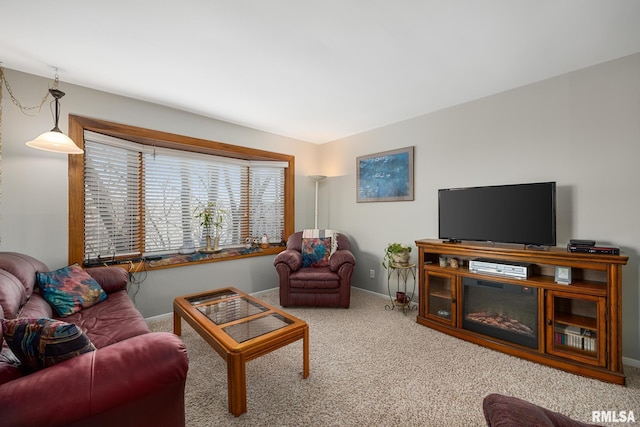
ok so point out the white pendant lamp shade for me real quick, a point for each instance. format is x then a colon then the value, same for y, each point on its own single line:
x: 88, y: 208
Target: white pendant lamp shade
x: 56, y: 142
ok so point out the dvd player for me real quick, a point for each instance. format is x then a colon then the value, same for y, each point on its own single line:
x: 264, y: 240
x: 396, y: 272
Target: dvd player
x: 489, y: 266
x: 601, y: 250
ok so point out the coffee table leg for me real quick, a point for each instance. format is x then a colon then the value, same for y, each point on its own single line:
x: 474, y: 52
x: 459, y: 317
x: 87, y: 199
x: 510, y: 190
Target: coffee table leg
x: 237, y: 384
x: 177, y: 325
x: 305, y: 353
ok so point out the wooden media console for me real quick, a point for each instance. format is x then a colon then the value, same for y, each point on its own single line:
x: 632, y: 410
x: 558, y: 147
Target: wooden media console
x: 576, y: 327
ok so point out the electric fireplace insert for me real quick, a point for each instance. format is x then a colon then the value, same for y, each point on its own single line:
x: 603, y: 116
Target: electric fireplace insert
x: 501, y: 310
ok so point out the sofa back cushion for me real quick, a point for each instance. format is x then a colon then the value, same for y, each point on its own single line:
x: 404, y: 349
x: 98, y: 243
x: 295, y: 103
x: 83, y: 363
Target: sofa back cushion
x: 24, y: 267
x: 17, y: 281
x: 36, y: 307
x: 12, y: 294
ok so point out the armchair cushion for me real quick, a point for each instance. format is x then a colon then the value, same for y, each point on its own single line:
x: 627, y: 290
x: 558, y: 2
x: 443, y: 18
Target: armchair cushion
x: 40, y: 343
x: 70, y: 289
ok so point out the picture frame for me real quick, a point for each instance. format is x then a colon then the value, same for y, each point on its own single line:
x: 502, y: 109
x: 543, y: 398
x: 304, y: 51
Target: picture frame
x: 385, y: 176
x: 563, y: 275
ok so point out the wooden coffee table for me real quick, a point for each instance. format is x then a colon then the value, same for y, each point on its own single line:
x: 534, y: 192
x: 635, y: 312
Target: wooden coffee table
x: 240, y: 328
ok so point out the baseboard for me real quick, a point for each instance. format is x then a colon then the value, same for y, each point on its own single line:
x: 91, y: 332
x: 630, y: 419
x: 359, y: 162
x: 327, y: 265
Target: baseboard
x: 384, y: 296
x: 631, y: 362
x: 159, y: 317
x: 264, y: 291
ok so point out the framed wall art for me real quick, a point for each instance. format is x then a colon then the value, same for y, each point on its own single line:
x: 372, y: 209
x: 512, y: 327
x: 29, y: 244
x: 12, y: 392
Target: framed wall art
x: 385, y: 177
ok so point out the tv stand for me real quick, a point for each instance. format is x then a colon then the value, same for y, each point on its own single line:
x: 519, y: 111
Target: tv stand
x: 577, y: 327
x: 452, y: 241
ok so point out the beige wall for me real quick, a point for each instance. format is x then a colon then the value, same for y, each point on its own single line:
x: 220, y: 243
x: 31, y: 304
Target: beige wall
x: 581, y: 130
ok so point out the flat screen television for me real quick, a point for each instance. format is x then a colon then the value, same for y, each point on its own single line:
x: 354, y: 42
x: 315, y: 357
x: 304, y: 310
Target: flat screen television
x: 517, y: 213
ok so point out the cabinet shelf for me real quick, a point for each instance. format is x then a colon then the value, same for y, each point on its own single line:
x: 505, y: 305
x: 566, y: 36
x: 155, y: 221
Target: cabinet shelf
x: 579, y: 326
x: 577, y: 320
x: 548, y: 282
x: 442, y: 295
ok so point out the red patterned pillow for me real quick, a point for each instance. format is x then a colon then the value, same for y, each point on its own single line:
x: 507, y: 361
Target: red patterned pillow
x: 316, y: 251
x: 70, y: 289
x: 40, y: 343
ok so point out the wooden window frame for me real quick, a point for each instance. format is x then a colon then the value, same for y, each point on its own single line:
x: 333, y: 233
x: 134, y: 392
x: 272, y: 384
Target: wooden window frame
x: 77, y: 126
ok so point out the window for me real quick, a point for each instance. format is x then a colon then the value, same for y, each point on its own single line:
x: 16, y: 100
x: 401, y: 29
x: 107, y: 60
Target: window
x: 134, y: 192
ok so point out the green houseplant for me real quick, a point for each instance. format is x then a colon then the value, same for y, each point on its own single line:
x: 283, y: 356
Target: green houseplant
x: 396, y: 253
x: 211, y: 216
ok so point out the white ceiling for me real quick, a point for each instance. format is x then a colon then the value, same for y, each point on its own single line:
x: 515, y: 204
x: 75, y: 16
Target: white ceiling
x: 312, y: 70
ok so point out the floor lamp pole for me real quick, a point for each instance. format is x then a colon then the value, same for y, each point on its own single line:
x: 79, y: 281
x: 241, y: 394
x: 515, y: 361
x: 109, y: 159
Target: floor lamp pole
x: 317, y: 179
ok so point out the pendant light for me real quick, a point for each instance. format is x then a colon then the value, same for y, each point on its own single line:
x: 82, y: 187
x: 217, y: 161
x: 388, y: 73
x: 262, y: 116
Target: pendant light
x: 54, y: 140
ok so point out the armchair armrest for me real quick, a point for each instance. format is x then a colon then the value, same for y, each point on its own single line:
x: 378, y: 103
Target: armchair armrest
x: 289, y: 257
x: 143, y: 375
x: 111, y: 279
x: 340, y: 257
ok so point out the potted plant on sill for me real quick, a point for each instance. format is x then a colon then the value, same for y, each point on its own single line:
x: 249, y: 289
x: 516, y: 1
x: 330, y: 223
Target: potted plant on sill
x: 211, y: 215
x: 396, y: 253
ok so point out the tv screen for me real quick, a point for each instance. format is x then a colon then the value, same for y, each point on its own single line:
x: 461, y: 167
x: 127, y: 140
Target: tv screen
x: 517, y: 213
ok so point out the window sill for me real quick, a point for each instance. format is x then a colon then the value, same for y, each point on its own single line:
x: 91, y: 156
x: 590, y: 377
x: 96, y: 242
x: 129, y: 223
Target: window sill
x: 178, y: 260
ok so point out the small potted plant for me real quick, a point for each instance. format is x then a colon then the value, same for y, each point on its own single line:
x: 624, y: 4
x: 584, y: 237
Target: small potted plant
x: 211, y: 215
x: 396, y: 253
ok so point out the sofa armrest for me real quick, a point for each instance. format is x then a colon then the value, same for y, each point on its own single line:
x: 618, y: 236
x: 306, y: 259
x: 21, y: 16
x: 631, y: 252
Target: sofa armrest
x: 289, y: 257
x: 340, y: 257
x: 144, y: 374
x: 111, y: 279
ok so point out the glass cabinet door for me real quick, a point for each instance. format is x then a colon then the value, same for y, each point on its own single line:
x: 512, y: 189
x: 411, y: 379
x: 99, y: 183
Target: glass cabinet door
x: 575, y: 327
x: 440, y: 302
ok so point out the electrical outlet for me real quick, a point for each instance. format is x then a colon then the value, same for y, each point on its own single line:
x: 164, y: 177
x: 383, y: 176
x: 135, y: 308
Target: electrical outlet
x: 372, y: 274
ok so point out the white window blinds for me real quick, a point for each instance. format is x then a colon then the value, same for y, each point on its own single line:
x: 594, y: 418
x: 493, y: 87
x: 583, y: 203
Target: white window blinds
x: 141, y: 200
x: 112, y: 200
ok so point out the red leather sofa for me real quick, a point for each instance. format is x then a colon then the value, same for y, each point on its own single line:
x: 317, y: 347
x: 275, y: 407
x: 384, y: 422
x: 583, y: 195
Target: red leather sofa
x: 326, y: 286
x: 133, y: 378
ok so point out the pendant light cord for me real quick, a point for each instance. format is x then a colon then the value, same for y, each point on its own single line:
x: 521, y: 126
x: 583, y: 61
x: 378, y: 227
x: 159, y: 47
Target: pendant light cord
x: 28, y: 111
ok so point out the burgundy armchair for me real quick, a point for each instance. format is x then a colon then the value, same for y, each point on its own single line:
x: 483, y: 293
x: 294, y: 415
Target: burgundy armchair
x: 327, y: 286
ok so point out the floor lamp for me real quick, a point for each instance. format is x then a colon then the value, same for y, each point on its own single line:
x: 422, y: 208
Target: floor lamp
x: 317, y: 179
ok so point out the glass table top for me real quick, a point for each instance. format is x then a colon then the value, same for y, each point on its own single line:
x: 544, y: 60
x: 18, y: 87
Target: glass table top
x: 225, y: 306
x: 230, y: 310
x: 245, y: 331
x: 211, y: 297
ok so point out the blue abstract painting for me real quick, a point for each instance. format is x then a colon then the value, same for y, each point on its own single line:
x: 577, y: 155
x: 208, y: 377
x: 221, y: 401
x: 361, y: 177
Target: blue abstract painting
x: 386, y: 176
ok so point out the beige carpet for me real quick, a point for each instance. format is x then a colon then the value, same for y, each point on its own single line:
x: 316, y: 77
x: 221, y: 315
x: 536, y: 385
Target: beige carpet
x: 371, y: 367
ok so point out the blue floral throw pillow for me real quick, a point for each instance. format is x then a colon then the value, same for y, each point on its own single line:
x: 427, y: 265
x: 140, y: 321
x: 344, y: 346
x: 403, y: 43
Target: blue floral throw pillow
x: 70, y: 289
x: 40, y: 343
x: 316, y: 251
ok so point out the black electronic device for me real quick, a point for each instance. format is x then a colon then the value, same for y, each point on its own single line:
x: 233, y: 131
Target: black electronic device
x: 516, y: 213
x: 600, y: 250
x: 580, y: 242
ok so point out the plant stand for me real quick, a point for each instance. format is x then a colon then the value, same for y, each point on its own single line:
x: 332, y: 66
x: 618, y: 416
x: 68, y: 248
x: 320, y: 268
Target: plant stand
x: 402, y: 272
